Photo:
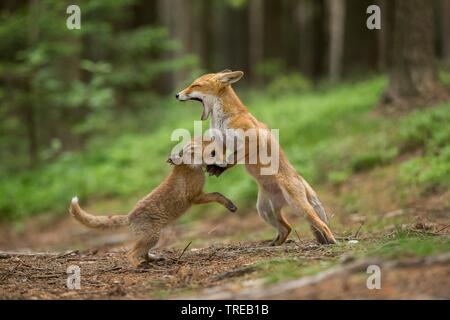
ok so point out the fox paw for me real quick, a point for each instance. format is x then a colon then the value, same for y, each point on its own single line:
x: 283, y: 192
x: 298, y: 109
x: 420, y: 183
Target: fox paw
x: 214, y: 170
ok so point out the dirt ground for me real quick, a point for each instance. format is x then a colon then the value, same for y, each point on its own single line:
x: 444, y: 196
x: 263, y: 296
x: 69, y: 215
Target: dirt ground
x: 216, y: 270
x: 106, y: 274
x: 221, y: 257
x: 222, y: 272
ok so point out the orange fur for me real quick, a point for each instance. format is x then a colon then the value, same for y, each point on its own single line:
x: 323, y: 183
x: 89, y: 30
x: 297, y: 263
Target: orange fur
x: 286, y: 187
x: 173, y: 197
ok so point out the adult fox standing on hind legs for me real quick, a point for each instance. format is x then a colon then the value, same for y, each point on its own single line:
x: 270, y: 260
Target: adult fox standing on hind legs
x: 284, y: 187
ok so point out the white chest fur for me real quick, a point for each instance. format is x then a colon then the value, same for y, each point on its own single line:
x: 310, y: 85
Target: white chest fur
x: 218, y: 119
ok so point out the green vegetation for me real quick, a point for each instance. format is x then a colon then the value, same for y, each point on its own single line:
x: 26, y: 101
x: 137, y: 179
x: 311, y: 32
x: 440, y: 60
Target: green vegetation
x: 428, y: 132
x: 400, y: 244
x: 60, y: 87
x: 327, y: 134
x: 404, y: 243
x: 279, y: 269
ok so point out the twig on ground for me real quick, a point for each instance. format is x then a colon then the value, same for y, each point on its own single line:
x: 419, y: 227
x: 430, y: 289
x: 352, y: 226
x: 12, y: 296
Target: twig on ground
x: 10, y: 254
x: 359, y: 229
x: 440, y: 230
x: 298, y: 237
x: 184, y: 250
x: 11, y: 270
x: 234, y: 273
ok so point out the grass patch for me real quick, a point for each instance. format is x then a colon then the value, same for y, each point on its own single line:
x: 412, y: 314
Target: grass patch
x: 410, y: 244
x: 429, y: 132
x: 281, y: 269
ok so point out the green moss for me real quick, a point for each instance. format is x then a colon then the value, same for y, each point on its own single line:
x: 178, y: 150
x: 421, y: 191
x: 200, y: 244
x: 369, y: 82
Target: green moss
x: 404, y: 244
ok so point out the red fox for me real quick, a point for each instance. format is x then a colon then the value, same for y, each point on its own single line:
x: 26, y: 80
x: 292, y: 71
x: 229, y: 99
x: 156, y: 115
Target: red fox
x: 286, y: 186
x: 173, y: 197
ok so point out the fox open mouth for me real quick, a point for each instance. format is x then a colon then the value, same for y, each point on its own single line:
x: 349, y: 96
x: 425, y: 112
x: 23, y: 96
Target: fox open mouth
x: 205, y: 112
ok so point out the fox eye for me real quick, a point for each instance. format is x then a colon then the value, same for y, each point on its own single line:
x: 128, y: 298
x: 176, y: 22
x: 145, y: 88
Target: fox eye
x: 195, y: 86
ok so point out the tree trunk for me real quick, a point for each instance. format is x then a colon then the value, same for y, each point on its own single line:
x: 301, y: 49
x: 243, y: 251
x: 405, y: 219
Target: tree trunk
x: 446, y: 32
x: 181, y: 28
x: 320, y: 39
x: 166, y: 83
x: 304, y: 17
x: 413, y: 76
x: 28, y: 110
x: 384, y: 36
x: 336, y: 9
x: 273, y: 31
x: 203, y: 33
x: 176, y: 15
x: 256, y: 35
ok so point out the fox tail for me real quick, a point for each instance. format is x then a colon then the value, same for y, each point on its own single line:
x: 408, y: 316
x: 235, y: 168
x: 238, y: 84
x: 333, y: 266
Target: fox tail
x: 97, y: 222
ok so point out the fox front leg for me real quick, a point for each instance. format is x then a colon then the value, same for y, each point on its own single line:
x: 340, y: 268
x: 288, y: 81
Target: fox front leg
x: 216, y: 170
x: 215, y: 197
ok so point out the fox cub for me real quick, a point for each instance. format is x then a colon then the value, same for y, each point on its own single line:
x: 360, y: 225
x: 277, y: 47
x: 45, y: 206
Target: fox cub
x: 173, y: 197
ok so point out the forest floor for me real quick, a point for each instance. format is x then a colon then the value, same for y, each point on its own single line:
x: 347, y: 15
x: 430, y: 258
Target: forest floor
x: 227, y: 256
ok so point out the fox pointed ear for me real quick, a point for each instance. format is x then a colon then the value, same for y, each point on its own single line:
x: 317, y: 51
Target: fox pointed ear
x: 230, y: 77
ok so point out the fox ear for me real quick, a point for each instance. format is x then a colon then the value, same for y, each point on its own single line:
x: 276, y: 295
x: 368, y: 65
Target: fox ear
x: 230, y: 77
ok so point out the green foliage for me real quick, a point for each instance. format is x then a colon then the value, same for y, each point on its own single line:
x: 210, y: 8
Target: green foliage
x: 237, y: 3
x: 270, y: 68
x: 62, y: 86
x: 366, y: 161
x: 404, y: 244
x: 428, y: 131
x: 327, y: 135
x: 383, y: 140
x: 288, y: 84
x: 133, y: 164
x: 428, y: 173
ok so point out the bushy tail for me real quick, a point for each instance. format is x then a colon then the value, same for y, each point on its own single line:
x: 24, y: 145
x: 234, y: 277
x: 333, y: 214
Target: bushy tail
x: 98, y: 222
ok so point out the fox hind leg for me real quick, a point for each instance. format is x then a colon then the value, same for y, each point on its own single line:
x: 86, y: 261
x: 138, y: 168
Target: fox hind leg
x: 140, y: 250
x: 296, y: 197
x: 269, y: 209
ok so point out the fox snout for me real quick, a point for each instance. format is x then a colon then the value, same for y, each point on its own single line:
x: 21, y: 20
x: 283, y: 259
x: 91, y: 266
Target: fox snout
x: 180, y: 96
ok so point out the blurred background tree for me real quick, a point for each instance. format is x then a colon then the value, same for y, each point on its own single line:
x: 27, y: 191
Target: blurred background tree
x: 61, y: 89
